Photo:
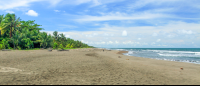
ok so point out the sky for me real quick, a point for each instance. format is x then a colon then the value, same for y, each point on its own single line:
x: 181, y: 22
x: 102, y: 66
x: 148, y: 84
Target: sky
x: 115, y: 23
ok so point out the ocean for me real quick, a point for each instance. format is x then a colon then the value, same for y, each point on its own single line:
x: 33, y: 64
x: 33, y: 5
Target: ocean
x: 190, y: 55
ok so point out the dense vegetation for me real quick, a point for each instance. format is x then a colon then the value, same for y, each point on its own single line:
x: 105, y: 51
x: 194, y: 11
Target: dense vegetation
x: 17, y: 34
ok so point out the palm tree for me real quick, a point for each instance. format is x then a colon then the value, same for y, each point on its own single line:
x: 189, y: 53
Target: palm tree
x: 55, y: 33
x: 30, y: 25
x: 63, y: 39
x: 3, y: 24
x: 45, y: 40
x: 13, y: 22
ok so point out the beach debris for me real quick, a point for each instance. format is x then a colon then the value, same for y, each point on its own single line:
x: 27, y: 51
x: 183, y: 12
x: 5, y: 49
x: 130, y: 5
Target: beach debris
x: 127, y: 59
x: 119, y: 57
x: 181, y: 68
x: 6, y: 49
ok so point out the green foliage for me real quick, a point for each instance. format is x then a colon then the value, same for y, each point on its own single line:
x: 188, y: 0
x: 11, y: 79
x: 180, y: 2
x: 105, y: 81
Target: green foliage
x: 6, y: 45
x: 72, y: 46
x: 55, y: 45
x: 68, y: 46
x: 26, y: 35
x: 61, y: 46
x: 1, y: 46
x: 18, y: 47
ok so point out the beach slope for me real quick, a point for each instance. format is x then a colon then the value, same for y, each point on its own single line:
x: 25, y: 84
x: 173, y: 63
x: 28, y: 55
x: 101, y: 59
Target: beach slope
x: 91, y: 67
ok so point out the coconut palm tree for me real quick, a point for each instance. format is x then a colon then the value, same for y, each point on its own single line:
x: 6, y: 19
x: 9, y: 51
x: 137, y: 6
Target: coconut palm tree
x: 12, y: 22
x: 45, y: 40
x: 55, y: 34
x: 3, y: 24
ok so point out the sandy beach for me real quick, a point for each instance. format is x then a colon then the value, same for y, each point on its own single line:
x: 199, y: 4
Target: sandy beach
x: 91, y: 67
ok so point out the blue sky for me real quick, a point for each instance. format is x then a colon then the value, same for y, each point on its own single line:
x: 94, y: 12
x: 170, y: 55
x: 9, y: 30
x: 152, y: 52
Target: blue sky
x: 115, y: 23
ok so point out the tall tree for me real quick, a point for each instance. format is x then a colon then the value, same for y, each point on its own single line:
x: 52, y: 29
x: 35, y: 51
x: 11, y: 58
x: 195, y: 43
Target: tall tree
x: 13, y: 22
x: 3, y: 24
x: 55, y: 34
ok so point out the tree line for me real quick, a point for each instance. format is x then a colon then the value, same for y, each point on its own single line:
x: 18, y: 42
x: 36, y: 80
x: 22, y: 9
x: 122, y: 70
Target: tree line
x: 17, y: 34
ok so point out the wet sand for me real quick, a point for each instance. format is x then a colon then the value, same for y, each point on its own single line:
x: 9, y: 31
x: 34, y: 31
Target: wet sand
x: 91, y: 67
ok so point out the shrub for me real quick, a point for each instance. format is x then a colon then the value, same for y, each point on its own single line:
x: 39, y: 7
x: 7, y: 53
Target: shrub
x: 18, y: 47
x: 72, y: 46
x: 61, y: 46
x: 1, y: 46
x: 68, y: 46
x: 55, y: 46
x: 5, y: 44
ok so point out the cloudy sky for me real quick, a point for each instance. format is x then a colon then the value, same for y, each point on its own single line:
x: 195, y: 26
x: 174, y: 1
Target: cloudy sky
x: 116, y: 23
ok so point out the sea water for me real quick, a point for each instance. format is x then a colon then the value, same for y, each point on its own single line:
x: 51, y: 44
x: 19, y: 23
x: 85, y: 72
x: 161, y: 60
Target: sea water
x: 190, y: 55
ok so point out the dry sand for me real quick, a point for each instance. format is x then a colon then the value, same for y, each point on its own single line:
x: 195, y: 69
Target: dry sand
x: 91, y: 67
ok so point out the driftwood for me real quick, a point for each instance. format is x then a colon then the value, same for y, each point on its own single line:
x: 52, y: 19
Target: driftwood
x: 6, y: 49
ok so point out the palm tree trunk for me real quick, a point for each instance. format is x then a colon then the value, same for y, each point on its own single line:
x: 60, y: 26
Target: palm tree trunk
x: 13, y: 43
x: 10, y: 31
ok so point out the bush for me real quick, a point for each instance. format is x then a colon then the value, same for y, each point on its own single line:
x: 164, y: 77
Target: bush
x: 61, y: 46
x: 5, y: 44
x: 55, y: 46
x: 72, y: 46
x: 68, y: 46
x: 18, y: 47
x: 1, y: 46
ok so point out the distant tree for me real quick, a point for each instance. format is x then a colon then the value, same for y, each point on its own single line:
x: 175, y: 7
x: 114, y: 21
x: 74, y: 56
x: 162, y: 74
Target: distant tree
x: 3, y: 24
x: 72, y: 46
x: 55, y: 45
x: 68, y: 46
x: 55, y: 34
x: 61, y: 46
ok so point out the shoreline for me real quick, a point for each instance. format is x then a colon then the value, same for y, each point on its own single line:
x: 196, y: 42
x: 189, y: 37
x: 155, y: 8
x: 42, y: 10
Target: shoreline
x: 173, y: 60
x: 91, y: 67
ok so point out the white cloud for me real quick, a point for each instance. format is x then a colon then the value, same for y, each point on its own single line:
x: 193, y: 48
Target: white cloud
x: 15, y: 4
x: 189, y: 32
x: 11, y: 4
x: 110, y: 42
x: 8, y: 11
x: 154, y: 34
x: 56, y: 10
x: 169, y: 34
x: 95, y: 34
x: 124, y: 33
x: 53, y: 2
x: 32, y: 13
x: 64, y: 26
x: 153, y: 43
x: 158, y: 40
x: 116, y: 42
x: 67, y: 36
x: 103, y: 42
x: 121, y: 16
x: 139, y: 38
x: 91, y: 3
